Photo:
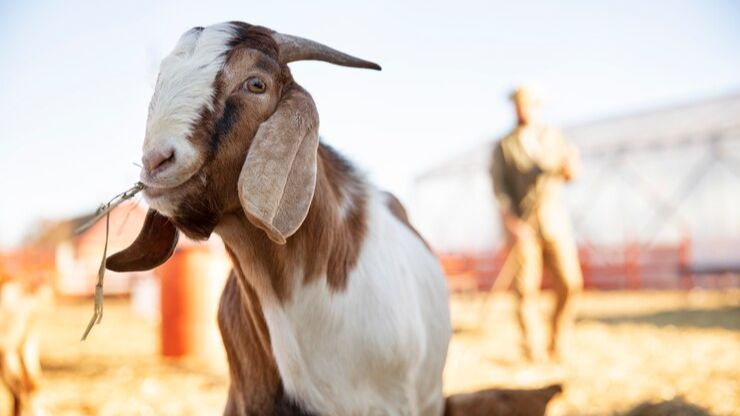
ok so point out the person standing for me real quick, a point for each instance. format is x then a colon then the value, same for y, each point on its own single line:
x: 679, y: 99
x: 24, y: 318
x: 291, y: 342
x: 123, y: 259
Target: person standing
x: 528, y: 169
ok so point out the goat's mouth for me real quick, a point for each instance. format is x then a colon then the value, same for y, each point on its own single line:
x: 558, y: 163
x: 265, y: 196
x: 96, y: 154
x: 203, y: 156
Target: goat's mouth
x: 169, y: 175
x: 167, y: 199
x: 160, y: 199
x: 164, y: 200
x: 151, y: 192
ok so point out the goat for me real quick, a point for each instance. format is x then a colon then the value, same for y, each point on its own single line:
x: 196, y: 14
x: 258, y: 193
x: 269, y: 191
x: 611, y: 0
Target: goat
x: 20, y: 369
x: 335, y: 306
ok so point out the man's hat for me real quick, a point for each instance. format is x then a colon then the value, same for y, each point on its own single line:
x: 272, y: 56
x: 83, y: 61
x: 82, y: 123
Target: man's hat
x: 526, y: 94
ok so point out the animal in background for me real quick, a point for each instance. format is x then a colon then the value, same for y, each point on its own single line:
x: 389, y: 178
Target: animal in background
x: 20, y: 368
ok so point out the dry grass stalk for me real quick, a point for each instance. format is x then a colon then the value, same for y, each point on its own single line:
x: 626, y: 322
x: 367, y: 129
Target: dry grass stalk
x: 104, y: 211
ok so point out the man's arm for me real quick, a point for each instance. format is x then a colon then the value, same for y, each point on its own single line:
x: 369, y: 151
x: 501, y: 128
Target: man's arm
x: 497, y: 170
x: 514, y: 225
x: 571, y: 166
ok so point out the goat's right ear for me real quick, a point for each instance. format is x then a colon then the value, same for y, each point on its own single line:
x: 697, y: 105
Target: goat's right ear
x: 154, y: 245
x: 278, y: 179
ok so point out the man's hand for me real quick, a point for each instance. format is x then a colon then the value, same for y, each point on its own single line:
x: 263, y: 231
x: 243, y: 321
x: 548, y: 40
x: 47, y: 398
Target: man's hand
x: 572, y: 163
x: 517, y: 228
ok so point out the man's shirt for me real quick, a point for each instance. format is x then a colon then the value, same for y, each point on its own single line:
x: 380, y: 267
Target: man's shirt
x: 526, y: 169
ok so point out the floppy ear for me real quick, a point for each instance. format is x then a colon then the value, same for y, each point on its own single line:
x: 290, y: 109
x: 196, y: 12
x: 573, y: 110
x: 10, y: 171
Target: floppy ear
x: 278, y: 179
x: 154, y: 245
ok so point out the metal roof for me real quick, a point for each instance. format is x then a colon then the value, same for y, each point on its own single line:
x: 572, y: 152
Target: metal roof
x: 709, y: 119
x: 704, y: 120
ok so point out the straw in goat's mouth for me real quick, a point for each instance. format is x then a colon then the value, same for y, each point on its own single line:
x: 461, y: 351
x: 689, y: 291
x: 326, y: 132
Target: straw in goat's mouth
x: 104, y: 211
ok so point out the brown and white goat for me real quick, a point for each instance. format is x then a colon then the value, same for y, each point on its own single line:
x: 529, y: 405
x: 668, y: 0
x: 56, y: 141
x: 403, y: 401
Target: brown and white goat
x: 335, y: 305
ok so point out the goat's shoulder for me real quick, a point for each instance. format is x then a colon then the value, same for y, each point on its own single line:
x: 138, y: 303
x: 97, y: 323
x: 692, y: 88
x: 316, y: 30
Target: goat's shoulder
x: 398, y: 211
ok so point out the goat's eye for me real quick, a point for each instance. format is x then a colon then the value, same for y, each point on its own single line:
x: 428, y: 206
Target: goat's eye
x: 254, y: 85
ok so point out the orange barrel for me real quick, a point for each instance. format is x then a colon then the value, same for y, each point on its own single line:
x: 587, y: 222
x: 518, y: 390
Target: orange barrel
x: 192, y: 281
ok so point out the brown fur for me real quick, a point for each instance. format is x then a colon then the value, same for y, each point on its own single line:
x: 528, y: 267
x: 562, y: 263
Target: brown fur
x: 326, y: 243
x: 502, y: 402
x: 255, y: 387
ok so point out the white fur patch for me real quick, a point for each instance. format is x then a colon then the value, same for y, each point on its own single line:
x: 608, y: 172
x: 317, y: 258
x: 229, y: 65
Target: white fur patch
x: 377, y: 348
x: 184, y: 88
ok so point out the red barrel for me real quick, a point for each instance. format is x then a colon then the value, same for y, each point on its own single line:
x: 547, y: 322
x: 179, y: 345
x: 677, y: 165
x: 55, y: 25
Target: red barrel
x: 191, y: 282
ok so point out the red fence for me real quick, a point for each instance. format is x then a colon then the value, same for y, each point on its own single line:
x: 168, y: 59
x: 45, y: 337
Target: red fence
x: 33, y: 267
x: 631, y: 266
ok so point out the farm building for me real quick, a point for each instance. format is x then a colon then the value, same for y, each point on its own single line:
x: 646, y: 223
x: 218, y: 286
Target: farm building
x: 70, y: 262
x: 657, y: 201
x: 74, y: 260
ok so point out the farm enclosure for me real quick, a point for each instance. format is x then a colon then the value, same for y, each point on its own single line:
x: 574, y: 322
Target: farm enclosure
x: 628, y: 348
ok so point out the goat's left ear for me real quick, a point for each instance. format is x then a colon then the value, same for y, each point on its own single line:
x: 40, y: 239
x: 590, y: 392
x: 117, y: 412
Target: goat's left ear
x: 278, y: 179
x: 154, y: 245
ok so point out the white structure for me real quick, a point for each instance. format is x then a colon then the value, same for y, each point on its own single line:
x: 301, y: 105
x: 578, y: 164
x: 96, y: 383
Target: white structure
x: 656, y: 176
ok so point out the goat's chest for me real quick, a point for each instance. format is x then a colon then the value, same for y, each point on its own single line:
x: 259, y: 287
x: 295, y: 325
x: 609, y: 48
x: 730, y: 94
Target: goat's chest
x: 364, y: 349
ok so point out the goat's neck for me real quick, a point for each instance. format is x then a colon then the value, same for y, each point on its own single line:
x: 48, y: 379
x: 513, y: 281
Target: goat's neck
x: 326, y: 246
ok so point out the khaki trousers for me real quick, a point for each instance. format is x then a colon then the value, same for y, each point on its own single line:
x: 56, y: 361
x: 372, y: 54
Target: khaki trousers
x: 560, y: 257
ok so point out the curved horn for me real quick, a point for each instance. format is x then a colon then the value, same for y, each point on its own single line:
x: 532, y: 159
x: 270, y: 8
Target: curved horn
x: 294, y: 48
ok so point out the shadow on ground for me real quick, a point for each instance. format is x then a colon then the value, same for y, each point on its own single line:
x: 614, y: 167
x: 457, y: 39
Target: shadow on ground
x: 674, y: 407
x: 725, y: 318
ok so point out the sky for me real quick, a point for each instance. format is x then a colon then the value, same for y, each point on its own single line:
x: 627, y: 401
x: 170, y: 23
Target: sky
x: 76, y: 79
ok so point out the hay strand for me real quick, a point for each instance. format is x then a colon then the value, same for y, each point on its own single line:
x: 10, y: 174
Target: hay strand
x: 98, y: 310
x: 104, y: 211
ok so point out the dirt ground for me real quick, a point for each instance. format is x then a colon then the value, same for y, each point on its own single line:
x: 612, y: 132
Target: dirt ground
x: 628, y: 348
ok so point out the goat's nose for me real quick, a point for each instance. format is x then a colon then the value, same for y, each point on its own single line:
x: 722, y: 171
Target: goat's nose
x: 156, y: 159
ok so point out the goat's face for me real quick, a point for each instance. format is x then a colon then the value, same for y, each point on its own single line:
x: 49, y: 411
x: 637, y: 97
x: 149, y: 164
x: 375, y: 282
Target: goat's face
x: 228, y: 130
x: 213, y: 92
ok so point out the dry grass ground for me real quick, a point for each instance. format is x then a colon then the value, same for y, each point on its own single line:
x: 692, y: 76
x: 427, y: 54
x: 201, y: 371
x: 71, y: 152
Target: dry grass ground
x: 628, y: 348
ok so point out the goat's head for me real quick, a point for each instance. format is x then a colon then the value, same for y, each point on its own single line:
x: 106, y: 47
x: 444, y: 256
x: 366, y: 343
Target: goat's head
x: 228, y: 129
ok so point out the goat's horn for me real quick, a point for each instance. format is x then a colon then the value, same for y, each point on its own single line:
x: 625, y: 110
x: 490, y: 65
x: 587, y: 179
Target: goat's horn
x: 294, y: 48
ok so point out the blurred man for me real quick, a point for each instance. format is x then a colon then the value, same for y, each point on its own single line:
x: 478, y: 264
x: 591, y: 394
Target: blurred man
x: 529, y: 167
